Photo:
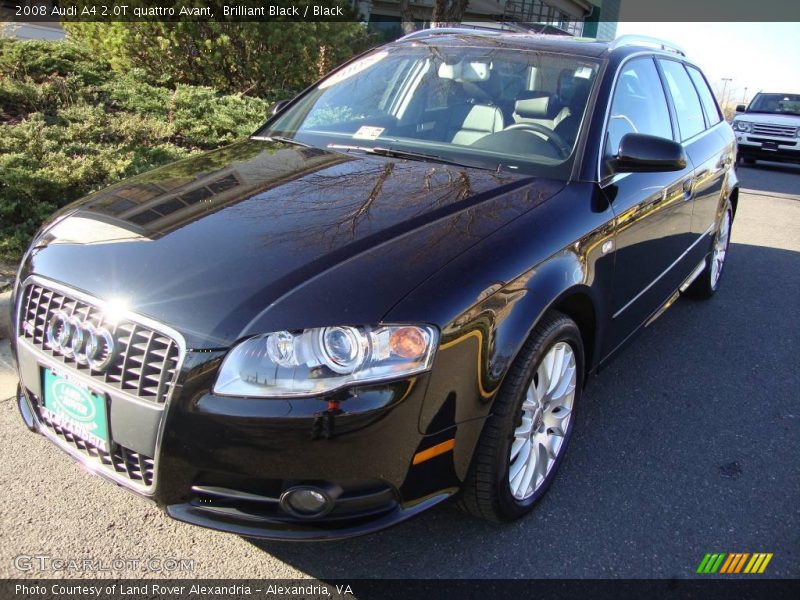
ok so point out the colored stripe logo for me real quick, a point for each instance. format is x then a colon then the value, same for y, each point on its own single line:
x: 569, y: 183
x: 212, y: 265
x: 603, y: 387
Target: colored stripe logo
x: 734, y: 562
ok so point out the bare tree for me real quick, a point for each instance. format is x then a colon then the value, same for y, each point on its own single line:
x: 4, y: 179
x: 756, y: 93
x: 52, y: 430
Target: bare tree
x: 407, y: 16
x: 446, y: 12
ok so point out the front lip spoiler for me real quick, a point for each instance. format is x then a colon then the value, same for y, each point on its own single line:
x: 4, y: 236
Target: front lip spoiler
x: 26, y: 411
x: 299, y: 531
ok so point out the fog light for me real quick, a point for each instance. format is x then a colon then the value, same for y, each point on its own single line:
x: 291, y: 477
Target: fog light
x: 306, y: 502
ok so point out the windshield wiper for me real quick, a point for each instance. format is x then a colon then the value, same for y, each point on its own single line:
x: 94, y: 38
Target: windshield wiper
x: 404, y: 154
x: 279, y: 138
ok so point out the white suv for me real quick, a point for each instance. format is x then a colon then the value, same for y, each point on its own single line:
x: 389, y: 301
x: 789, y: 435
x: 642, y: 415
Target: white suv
x: 769, y: 129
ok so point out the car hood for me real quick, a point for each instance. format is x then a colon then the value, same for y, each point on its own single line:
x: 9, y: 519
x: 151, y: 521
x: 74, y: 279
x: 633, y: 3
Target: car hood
x: 769, y: 118
x: 211, y: 244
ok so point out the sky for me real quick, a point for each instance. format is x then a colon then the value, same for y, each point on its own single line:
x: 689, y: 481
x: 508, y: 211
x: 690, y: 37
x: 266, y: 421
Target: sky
x: 756, y: 56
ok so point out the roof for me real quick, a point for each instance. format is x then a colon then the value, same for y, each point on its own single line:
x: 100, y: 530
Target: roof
x: 538, y: 41
x: 504, y: 39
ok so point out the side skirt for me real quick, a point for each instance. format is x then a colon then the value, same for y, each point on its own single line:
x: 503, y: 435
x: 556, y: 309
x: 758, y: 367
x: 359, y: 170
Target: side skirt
x: 657, y: 313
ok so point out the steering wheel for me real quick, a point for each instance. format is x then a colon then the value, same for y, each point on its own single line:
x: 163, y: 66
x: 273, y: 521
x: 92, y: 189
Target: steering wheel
x: 549, y: 135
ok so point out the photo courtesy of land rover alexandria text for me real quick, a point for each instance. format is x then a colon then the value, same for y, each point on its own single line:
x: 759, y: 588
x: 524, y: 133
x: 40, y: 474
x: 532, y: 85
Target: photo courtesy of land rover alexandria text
x: 390, y: 295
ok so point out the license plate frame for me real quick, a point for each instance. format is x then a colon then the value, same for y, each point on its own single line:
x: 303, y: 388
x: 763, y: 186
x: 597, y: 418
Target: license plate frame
x: 75, y: 408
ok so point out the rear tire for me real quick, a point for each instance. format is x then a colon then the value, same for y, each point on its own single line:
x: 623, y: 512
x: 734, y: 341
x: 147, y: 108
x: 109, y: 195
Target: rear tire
x: 707, y: 283
x: 533, y: 413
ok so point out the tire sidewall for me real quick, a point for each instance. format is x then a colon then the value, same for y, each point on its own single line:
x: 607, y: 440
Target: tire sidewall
x: 565, y: 331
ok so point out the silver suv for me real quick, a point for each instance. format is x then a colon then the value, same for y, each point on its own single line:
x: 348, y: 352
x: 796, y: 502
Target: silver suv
x: 769, y: 129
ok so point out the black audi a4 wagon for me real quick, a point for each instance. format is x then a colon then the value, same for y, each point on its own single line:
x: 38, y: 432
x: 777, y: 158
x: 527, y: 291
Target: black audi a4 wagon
x: 390, y: 295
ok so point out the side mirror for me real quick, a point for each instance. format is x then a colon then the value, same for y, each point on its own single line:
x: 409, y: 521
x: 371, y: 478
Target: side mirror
x: 641, y: 153
x: 278, y: 106
x: 741, y: 108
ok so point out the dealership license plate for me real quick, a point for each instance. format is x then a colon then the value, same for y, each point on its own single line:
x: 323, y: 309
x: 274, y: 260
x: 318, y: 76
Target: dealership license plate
x: 771, y: 146
x: 78, y: 410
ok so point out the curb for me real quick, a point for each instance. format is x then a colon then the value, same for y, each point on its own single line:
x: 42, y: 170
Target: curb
x: 5, y: 315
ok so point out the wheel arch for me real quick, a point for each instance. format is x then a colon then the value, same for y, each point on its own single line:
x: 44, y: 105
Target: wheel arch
x: 489, y: 336
x: 560, y: 284
x: 577, y: 304
x: 577, y: 301
x: 734, y: 198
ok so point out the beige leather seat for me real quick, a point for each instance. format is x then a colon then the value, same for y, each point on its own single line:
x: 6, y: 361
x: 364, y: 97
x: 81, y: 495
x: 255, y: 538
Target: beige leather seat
x: 471, y: 122
x: 539, y: 108
x: 481, y: 120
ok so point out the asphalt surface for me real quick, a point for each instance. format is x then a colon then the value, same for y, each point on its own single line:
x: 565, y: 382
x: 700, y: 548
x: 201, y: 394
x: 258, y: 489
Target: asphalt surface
x: 687, y: 443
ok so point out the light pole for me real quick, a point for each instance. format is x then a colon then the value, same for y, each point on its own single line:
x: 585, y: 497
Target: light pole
x: 744, y: 96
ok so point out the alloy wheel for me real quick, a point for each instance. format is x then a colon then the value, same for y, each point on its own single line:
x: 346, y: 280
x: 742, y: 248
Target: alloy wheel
x: 546, y: 413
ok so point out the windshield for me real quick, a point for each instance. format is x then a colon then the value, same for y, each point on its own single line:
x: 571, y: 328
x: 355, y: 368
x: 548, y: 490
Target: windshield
x: 485, y: 107
x: 782, y: 104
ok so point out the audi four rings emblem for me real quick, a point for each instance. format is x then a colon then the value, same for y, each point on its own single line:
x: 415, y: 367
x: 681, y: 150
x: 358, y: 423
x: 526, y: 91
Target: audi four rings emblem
x: 80, y: 340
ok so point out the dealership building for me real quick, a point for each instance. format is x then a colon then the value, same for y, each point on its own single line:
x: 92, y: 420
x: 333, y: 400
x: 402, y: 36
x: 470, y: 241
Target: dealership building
x: 583, y: 18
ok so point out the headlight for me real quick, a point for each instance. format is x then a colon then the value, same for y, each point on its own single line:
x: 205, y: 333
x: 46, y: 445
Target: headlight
x: 741, y: 126
x: 324, y: 359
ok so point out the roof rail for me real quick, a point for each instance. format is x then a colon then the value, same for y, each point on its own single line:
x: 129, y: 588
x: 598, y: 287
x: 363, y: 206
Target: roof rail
x: 423, y: 33
x: 644, y: 40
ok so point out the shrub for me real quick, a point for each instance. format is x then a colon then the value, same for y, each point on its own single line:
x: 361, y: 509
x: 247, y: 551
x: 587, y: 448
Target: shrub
x: 199, y: 116
x: 80, y: 127
x: 38, y: 76
x: 41, y: 60
x: 268, y: 59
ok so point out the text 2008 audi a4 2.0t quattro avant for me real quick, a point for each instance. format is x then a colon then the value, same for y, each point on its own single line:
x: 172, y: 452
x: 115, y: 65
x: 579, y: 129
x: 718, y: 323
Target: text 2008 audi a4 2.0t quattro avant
x: 390, y: 295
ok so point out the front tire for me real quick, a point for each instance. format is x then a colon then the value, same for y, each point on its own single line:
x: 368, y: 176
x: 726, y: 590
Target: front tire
x: 525, y: 438
x: 707, y: 283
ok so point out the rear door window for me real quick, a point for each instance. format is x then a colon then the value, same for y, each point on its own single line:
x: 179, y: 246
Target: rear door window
x: 706, y: 97
x: 684, y: 96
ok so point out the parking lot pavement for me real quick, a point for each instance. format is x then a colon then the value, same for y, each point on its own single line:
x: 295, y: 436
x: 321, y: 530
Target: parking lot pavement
x: 770, y: 178
x: 687, y: 443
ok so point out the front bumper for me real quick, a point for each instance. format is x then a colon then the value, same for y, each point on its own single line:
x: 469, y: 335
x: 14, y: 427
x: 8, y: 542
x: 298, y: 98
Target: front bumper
x: 768, y: 148
x: 224, y: 463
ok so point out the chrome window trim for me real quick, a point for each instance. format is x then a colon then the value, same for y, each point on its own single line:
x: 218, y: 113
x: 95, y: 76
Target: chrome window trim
x: 700, y: 238
x: 90, y: 463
